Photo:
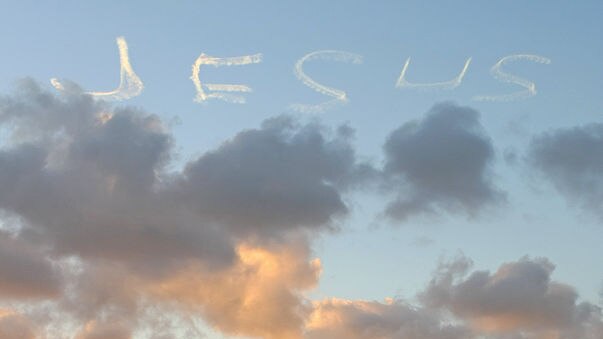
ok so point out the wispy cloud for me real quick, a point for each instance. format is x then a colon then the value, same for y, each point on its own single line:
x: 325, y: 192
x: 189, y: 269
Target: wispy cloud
x: 217, y: 90
x: 449, y: 84
x: 338, y: 95
x: 130, y: 84
x: 498, y: 73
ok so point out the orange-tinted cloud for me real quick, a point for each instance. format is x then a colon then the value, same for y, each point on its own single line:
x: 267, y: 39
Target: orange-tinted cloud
x: 519, y: 297
x: 14, y: 325
x: 358, y: 319
x: 260, y: 295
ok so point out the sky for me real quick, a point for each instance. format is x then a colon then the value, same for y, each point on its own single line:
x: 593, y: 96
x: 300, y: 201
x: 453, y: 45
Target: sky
x: 308, y: 169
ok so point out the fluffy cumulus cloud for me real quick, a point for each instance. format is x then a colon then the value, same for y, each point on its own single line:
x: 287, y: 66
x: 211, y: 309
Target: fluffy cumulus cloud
x: 441, y: 162
x: 519, y: 300
x: 572, y: 160
x: 97, y: 229
x: 258, y: 296
x: 100, y: 239
x: 275, y: 178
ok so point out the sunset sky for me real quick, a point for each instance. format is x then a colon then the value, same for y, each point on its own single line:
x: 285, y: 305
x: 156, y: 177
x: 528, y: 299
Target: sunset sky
x: 309, y: 169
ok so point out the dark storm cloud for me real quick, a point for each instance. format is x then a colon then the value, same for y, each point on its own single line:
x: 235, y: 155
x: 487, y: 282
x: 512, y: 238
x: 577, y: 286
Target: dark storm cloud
x: 441, y: 162
x: 572, y: 160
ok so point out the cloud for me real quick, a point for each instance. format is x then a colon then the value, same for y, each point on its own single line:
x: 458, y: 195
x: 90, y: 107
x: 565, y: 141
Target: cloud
x: 518, y: 301
x: 279, y: 177
x: 354, y: 319
x: 498, y: 73
x: 519, y: 298
x: 447, y: 85
x: 26, y: 274
x: 258, y: 296
x: 99, y: 239
x: 13, y: 325
x: 572, y: 160
x: 130, y: 84
x: 94, y: 330
x: 86, y: 179
x: 88, y: 186
x: 339, y: 96
x: 441, y: 162
x: 222, y: 91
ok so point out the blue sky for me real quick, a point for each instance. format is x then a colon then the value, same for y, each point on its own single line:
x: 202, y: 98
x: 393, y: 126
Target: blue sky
x: 370, y: 257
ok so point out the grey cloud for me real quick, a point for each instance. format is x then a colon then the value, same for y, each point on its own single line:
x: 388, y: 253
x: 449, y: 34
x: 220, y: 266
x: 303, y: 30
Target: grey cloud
x: 103, y: 229
x: 131, y: 146
x: 520, y: 297
x: 25, y: 273
x: 104, y: 331
x: 14, y: 326
x: 103, y: 297
x: 518, y: 301
x: 34, y: 114
x: 92, y: 187
x: 335, y: 318
x: 572, y: 160
x: 281, y: 176
x: 441, y: 162
x: 89, y: 183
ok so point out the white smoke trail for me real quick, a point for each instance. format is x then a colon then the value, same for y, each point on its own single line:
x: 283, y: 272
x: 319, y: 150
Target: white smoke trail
x: 130, y: 84
x: 338, y: 95
x: 498, y: 73
x: 450, y: 84
x: 216, y: 89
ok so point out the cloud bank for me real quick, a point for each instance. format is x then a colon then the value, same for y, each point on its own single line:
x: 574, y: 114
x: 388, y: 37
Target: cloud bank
x: 100, y: 239
x: 96, y: 226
